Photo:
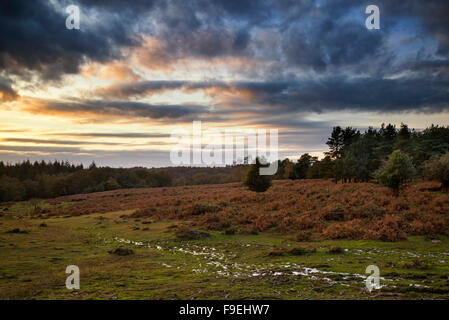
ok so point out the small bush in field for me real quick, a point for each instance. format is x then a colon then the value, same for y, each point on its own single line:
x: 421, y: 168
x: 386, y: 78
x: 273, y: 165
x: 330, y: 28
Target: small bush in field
x: 336, y: 250
x: 397, y: 171
x: 437, y: 169
x: 229, y: 231
x: 256, y: 182
x: 303, y: 236
x: 276, y: 253
x: 122, y: 251
x: 213, y: 221
x: 205, y: 207
x: 185, y: 233
x: 299, y: 251
x: 296, y: 251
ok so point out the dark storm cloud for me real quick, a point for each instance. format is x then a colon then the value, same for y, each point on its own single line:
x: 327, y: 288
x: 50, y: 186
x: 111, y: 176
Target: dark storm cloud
x: 213, y: 43
x: 217, y: 9
x: 142, y: 88
x: 428, y: 68
x: 206, y: 43
x: 362, y: 94
x: 313, y: 35
x: 431, y: 14
x: 330, y: 93
x: 331, y: 44
x: 34, y: 37
x: 136, y: 6
x: 252, y: 10
x: 124, y: 109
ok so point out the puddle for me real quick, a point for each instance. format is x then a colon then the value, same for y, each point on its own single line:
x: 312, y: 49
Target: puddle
x: 210, y: 260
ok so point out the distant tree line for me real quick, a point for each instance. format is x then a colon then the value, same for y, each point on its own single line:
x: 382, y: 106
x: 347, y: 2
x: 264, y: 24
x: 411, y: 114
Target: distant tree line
x: 26, y: 180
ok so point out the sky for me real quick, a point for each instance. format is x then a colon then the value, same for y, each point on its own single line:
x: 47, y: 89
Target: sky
x: 114, y: 90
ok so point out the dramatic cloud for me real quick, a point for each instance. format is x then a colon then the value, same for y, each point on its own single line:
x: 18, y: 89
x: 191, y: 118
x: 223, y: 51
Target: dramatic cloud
x: 431, y: 15
x: 313, y: 35
x: 331, y: 44
x: 295, y: 65
x: 331, y: 93
x: 34, y: 38
x: 363, y: 94
x: 126, y: 109
x: 145, y: 88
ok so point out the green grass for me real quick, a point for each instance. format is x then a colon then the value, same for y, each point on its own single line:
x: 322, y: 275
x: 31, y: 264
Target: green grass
x: 33, y: 207
x: 32, y: 265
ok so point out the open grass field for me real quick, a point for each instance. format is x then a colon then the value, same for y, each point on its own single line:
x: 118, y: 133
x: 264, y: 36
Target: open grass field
x: 309, y: 239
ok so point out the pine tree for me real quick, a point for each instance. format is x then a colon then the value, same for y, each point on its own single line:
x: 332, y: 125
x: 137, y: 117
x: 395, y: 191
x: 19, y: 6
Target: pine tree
x: 256, y: 182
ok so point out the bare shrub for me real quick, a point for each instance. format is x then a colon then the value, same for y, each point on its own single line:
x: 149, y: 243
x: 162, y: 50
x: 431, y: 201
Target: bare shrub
x: 336, y: 250
x: 303, y: 236
x: 185, y: 233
